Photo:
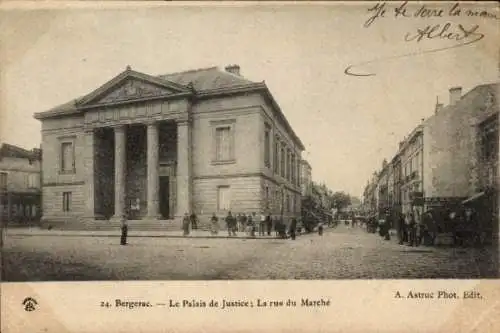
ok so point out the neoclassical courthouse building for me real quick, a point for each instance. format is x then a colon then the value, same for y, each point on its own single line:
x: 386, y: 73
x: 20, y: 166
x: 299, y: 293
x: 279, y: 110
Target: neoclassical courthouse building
x: 151, y: 148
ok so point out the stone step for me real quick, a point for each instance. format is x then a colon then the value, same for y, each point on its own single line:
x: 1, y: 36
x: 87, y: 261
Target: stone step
x: 142, y: 225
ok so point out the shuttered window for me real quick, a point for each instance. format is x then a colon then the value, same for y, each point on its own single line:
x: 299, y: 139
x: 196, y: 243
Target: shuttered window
x: 223, y: 198
x: 66, y: 201
x: 67, y: 157
x: 223, y: 144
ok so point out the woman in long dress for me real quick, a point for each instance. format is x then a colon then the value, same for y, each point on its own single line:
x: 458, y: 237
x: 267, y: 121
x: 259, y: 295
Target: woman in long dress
x: 214, y: 225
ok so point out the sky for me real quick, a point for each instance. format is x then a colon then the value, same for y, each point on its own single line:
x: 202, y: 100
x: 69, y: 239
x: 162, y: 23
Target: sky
x: 348, y: 124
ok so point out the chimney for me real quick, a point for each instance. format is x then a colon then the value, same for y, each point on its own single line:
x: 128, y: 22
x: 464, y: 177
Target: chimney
x: 439, y: 106
x: 455, y: 95
x: 233, y: 69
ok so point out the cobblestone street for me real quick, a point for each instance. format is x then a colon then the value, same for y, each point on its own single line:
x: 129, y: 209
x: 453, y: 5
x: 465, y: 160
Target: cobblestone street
x: 341, y: 253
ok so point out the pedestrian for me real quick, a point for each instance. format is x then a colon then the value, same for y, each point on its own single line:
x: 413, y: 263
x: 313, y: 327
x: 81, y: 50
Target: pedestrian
x: 293, y: 228
x: 269, y: 224
x: 194, y: 221
x: 412, y: 230
x: 234, y: 224
x: 474, y: 228
x: 214, y: 225
x: 320, y: 228
x: 276, y: 225
x: 262, y: 225
x: 249, y: 225
x: 185, y: 224
x: 282, y: 229
x: 419, y: 228
x: 255, y: 222
x: 457, y: 229
x: 230, y: 224
x: 387, y: 227
x: 401, y: 228
x: 429, y: 234
x: 124, y: 229
x: 407, y: 228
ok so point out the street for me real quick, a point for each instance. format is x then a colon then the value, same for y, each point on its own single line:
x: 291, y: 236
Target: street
x: 341, y: 253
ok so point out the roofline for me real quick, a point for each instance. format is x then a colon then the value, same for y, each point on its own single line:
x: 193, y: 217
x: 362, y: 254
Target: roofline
x: 304, y: 161
x: 417, y: 130
x: 245, y: 88
x: 30, y: 154
x: 285, y: 121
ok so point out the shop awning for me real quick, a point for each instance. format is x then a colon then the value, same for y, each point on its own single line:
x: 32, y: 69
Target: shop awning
x: 473, y: 197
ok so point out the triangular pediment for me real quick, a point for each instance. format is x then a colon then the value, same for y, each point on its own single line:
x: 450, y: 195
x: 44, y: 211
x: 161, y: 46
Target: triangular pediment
x: 132, y: 86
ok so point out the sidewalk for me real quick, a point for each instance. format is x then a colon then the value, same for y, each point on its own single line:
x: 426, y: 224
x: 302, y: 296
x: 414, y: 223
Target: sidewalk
x: 35, y: 231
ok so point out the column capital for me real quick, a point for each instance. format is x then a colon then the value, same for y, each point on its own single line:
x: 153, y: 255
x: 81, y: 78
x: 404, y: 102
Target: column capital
x: 117, y: 127
x: 88, y: 130
x: 183, y: 121
x: 151, y: 122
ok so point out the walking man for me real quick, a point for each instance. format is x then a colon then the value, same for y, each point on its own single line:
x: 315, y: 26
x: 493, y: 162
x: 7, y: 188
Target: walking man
x: 185, y: 224
x: 194, y: 221
x: 401, y: 228
x: 269, y: 224
x: 229, y: 223
x: 293, y: 228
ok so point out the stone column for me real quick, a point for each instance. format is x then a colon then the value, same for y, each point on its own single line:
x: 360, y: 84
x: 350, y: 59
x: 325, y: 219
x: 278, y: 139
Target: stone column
x: 120, y: 160
x: 152, y: 165
x: 184, y: 152
x: 89, y: 162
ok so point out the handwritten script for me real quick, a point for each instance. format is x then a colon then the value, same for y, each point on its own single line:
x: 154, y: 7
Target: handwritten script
x: 459, y: 34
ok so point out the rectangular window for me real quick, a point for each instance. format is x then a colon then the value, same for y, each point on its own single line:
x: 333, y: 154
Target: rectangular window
x: 67, y: 157
x: 267, y: 197
x: 223, y: 198
x: 276, y: 155
x: 3, y: 180
x: 33, y: 180
x: 267, y: 146
x: 288, y: 164
x: 282, y: 162
x: 66, y: 201
x: 223, y: 144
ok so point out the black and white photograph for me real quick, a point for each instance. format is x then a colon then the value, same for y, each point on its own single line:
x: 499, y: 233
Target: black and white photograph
x: 250, y: 142
x: 249, y: 166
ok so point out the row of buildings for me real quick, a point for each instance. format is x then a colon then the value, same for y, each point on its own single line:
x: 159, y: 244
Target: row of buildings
x: 449, y: 161
x: 152, y: 148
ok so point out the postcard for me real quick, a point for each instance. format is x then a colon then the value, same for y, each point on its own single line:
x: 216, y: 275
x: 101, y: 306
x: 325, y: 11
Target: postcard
x: 249, y: 166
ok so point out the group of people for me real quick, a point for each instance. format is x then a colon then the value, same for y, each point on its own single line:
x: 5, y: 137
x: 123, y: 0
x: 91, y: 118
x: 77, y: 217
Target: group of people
x: 251, y: 224
x: 414, y: 228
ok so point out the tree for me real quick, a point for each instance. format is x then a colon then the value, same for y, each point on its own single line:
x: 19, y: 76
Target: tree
x: 340, y: 200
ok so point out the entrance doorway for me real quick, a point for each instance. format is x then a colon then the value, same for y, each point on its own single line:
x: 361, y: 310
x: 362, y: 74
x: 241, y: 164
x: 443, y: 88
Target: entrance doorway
x: 164, y: 197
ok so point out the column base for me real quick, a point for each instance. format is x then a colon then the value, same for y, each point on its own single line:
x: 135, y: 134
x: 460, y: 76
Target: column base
x: 153, y: 217
x: 92, y: 217
x: 118, y: 218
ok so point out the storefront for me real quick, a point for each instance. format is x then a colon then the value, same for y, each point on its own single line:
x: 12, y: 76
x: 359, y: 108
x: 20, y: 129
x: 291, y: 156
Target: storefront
x: 20, y: 208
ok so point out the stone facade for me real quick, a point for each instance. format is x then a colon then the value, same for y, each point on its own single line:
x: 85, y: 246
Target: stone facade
x: 450, y: 144
x: 305, y: 178
x: 412, y: 170
x: 149, y: 148
x: 19, y: 184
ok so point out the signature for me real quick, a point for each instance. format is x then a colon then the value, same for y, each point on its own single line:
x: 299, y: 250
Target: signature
x: 445, y: 31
